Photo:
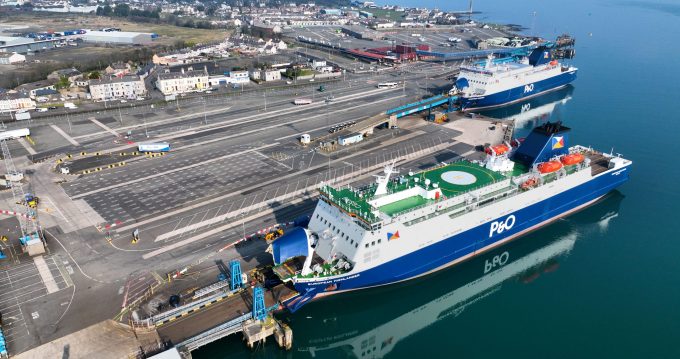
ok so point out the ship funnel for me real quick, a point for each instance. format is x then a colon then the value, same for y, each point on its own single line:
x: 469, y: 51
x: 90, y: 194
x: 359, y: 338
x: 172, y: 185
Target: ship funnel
x: 543, y: 143
x: 539, y: 56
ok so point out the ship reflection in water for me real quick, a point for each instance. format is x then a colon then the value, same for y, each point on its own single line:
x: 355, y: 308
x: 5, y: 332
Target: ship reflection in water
x: 369, y: 324
x: 534, y: 112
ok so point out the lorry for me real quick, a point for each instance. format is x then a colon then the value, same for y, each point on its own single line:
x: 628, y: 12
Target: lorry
x: 302, y: 101
x: 18, y: 133
x: 153, y: 147
x: 70, y: 105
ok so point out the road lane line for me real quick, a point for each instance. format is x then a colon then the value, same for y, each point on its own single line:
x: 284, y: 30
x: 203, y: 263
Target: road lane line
x: 105, y: 127
x: 65, y: 135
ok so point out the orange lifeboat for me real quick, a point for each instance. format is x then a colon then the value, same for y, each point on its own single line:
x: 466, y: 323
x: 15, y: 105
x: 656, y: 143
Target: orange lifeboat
x: 553, y: 63
x: 531, y: 182
x: 549, y: 167
x: 497, y: 149
x: 572, y: 159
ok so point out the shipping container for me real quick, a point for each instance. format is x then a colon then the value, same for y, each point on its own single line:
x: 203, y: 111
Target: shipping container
x: 350, y: 139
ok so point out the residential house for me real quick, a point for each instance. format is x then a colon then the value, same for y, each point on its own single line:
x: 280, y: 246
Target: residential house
x: 266, y: 75
x: 118, y: 69
x: 71, y: 74
x: 115, y: 88
x: 171, y: 83
x: 15, y: 101
x: 11, y: 58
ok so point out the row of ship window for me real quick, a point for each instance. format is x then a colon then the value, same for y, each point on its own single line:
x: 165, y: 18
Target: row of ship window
x: 342, y: 234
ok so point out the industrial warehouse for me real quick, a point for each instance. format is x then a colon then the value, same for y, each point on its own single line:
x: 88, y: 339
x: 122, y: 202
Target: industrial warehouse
x: 119, y: 37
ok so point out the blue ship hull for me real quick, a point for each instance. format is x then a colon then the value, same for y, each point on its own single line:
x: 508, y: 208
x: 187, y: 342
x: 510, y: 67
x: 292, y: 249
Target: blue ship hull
x: 467, y: 244
x: 517, y: 93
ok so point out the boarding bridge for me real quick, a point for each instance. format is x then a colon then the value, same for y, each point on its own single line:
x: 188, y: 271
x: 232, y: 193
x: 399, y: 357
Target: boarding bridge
x: 423, y: 105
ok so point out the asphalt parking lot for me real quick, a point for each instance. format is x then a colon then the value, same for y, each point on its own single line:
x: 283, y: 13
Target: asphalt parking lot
x: 23, y: 283
x: 437, y: 40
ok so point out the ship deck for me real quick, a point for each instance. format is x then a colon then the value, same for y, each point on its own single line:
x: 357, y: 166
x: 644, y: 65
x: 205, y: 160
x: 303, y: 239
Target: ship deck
x: 462, y: 176
x: 453, y: 179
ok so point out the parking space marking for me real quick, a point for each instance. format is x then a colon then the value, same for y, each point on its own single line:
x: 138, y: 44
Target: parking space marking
x: 45, y: 274
x: 27, y: 146
x: 65, y: 135
x: 161, y: 174
x: 105, y: 127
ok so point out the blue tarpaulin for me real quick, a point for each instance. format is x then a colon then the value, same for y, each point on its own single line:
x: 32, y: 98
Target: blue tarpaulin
x: 292, y: 244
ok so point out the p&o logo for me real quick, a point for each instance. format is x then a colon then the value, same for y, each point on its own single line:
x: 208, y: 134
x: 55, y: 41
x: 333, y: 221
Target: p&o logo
x: 499, y: 227
x: 528, y: 88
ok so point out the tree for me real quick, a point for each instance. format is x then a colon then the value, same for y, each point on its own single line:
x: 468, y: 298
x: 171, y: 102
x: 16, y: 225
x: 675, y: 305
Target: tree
x: 104, y: 11
x: 94, y: 75
x: 63, y: 83
x: 122, y: 10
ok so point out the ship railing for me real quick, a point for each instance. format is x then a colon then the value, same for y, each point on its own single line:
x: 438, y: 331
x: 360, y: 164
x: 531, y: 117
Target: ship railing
x: 444, y: 203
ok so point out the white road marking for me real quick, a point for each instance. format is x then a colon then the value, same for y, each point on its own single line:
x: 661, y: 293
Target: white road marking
x: 65, y: 135
x: 45, y: 274
x: 27, y: 146
x: 107, y: 128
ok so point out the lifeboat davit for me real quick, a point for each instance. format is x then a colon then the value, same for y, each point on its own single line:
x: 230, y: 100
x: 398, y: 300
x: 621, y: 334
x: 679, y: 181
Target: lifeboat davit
x: 497, y: 149
x: 517, y: 141
x: 549, y: 167
x: 572, y: 159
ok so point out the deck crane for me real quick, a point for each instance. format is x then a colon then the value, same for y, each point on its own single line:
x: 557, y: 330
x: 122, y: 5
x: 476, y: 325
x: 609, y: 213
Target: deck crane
x: 31, y: 237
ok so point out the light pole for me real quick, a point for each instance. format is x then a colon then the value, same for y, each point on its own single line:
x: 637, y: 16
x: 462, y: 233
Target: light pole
x: 205, y: 116
x: 243, y: 224
x: 69, y: 123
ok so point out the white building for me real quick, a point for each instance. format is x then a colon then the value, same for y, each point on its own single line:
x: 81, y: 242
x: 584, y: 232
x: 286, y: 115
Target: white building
x: 12, y: 102
x: 118, y: 37
x: 318, y: 63
x: 239, y: 77
x: 128, y: 87
x: 171, y: 83
x: 13, y: 58
x: 266, y: 75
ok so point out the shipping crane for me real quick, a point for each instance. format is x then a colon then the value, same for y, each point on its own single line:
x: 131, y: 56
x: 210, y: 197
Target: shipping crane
x: 31, y: 237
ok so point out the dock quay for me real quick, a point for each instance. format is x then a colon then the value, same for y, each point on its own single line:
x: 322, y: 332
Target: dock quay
x: 221, y: 309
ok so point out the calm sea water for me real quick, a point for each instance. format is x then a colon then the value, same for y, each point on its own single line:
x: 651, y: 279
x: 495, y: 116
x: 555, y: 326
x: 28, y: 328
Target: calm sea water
x: 602, y: 283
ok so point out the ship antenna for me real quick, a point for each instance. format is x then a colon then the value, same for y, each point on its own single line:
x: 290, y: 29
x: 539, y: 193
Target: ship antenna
x: 384, y: 180
x: 489, y: 59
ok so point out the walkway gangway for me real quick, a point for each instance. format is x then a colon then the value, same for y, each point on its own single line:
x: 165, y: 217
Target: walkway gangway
x: 423, y: 105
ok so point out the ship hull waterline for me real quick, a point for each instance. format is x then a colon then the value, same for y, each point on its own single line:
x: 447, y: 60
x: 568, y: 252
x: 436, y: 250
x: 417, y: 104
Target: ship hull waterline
x: 429, y: 259
x: 516, y: 94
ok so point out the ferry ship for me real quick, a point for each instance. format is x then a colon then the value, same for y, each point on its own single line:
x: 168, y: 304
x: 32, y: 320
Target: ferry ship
x: 413, y: 309
x: 405, y: 226
x: 492, y: 83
